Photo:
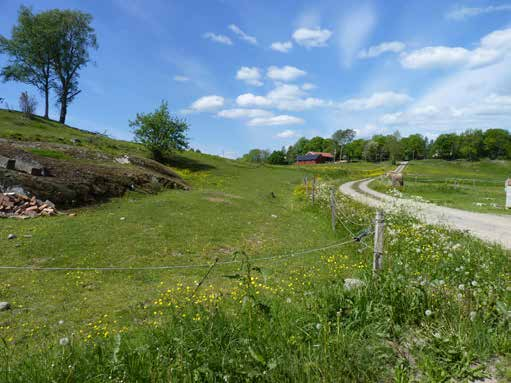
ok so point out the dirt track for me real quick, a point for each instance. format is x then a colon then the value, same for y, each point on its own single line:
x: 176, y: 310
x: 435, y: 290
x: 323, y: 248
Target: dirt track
x: 489, y: 227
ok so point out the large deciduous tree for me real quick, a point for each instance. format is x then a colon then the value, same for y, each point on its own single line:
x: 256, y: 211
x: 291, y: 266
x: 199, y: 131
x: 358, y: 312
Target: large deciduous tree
x: 159, y: 132
x: 73, y: 38
x: 343, y: 137
x: 30, y: 53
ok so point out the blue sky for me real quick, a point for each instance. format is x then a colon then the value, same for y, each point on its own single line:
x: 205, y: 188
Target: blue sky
x: 251, y: 74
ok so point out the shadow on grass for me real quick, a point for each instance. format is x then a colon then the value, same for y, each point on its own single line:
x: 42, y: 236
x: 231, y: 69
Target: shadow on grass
x: 180, y: 162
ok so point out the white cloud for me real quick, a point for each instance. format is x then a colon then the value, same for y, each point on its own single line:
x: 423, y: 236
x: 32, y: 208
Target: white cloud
x: 435, y: 57
x: 283, y: 47
x: 354, y: 29
x: 376, y: 50
x: 251, y: 75
x: 244, y: 113
x: 221, y: 39
x: 492, y: 48
x: 288, y: 133
x: 249, y: 99
x: 376, y: 100
x: 181, y: 78
x: 285, y: 73
x: 311, y: 38
x: 289, y: 97
x: 207, y: 103
x: 292, y: 97
x: 242, y: 35
x: 462, y: 13
x: 282, y: 119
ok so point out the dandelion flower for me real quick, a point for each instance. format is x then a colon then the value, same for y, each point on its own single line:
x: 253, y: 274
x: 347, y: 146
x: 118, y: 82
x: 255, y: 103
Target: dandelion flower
x: 64, y: 341
x: 461, y: 286
x: 472, y: 315
x: 61, y: 322
x: 428, y: 313
x: 474, y: 283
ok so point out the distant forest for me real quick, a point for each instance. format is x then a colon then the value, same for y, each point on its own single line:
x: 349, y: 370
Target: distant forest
x: 471, y: 145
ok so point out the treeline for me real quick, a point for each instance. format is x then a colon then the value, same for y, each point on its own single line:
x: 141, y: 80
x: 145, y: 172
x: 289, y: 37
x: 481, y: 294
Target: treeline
x: 471, y: 145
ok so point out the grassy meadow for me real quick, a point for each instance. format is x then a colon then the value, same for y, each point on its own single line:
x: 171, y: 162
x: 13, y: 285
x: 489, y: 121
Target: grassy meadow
x: 245, y: 299
x: 476, y: 186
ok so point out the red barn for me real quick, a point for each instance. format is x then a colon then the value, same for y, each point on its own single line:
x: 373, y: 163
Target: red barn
x: 314, y: 158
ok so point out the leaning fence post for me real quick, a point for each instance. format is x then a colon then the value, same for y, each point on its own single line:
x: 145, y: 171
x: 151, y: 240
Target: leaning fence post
x: 313, y: 188
x: 332, y: 208
x: 379, y: 227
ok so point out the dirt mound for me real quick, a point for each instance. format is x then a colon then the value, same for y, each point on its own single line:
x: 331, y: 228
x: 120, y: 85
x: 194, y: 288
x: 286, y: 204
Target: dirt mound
x: 79, y: 179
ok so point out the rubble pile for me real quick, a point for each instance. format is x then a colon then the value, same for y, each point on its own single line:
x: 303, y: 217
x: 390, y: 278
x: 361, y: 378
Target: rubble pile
x: 21, y: 206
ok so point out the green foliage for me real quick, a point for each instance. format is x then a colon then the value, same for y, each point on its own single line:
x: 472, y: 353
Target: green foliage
x: 47, y: 50
x: 29, y: 53
x: 159, y: 132
x: 277, y: 157
x: 257, y: 156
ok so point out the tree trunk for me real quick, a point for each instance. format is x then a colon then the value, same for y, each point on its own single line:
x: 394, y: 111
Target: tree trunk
x: 46, y: 101
x: 63, y: 108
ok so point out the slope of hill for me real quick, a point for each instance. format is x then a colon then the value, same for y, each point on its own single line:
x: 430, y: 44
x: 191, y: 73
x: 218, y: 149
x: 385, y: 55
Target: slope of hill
x: 72, y: 167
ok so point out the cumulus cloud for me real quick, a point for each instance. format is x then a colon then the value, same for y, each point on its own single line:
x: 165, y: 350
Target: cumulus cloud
x: 376, y: 50
x: 288, y: 133
x: 237, y: 113
x: 376, y: 100
x: 283, y: 47
x: 285, y: 73
x: 221, y: 39
x: 462, y: 13
x: 179, y: 78
x: 312, y: 37
x: 288, y: 97
x: 282, y: 119
x: 207, y: 103
x: 250, y: 75
x: 242, y: 35
x: 354, y: 29
x: 492, y: 48
x: 249, y: 99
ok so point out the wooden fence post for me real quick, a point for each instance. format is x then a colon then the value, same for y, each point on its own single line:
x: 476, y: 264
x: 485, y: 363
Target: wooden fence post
x: 332, y: 208
x: 313, y: 188
x: 306, y: 189
x: 379, y: 226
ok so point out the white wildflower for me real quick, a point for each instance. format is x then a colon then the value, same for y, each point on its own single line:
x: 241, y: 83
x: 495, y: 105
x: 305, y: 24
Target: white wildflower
x: 64, y: 341
x: 461, y: 286
x: 472, y: 315
x: 428, y: 313
x: 474, y: 283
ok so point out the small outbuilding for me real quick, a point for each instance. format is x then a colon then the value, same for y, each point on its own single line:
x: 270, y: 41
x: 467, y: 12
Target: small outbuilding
x: 314, y: 158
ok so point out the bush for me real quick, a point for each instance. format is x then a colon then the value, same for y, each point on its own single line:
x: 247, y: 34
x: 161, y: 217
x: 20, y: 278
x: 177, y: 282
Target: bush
x: 159, y: 132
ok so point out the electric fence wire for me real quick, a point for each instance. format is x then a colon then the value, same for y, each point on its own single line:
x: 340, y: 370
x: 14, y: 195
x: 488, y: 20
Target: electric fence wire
x: 148, y: 268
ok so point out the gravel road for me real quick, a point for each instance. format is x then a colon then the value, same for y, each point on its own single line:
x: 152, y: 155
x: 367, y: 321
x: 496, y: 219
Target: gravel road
x: 489, y: 227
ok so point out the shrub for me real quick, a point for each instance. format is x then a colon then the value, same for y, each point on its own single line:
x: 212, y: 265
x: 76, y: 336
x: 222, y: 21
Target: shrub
x: 159, y: 132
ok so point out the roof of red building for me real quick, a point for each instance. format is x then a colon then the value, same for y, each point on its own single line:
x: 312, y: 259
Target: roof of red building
x: 328, y: 155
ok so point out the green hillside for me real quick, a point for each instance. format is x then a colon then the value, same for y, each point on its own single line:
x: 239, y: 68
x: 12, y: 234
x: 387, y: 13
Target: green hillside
x: 241, y: 279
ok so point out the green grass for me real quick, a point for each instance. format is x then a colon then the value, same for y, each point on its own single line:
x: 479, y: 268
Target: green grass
x: 475, y: 186
x: 50, y: 153
x: 281, y: 319
x: 13, y: 125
